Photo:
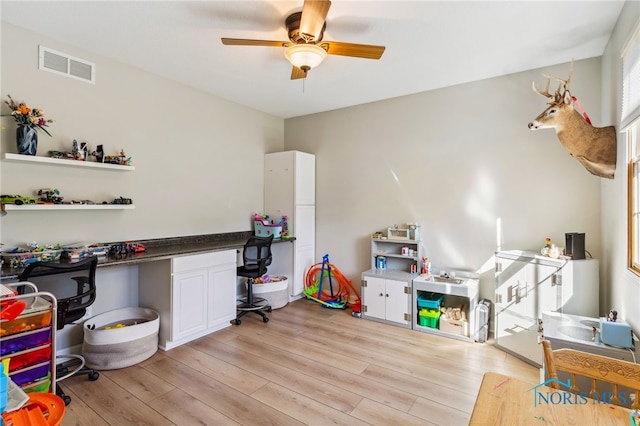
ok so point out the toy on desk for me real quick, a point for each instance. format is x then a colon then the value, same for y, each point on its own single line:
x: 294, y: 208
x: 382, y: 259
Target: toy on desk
x: 613, y: 316
x: 264, y: 226
x: 126, y: 248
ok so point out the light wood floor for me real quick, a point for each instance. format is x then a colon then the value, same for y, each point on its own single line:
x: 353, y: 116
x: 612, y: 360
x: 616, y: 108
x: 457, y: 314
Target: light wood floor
x: 308, y: 365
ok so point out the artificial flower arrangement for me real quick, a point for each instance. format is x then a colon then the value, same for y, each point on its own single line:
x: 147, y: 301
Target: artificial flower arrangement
x: 25, y: 116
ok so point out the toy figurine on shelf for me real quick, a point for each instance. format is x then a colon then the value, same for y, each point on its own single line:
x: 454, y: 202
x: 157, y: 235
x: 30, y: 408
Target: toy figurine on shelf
x: 79, y: 152
x: 49, y: 196
x: 98, y: 153
x: 120, y: 159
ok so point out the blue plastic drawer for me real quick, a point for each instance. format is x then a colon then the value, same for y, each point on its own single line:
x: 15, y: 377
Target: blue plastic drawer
x: 430, y: 300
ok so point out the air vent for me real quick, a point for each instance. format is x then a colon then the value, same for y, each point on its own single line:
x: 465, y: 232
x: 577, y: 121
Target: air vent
x: 63, y: 64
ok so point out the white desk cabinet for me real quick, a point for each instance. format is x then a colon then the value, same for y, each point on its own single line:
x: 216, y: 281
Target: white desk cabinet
x: 194, y: 294
x: 386, y: 297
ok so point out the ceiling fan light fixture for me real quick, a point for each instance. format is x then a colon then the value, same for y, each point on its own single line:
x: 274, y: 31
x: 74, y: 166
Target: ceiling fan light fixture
x: 305, y: 56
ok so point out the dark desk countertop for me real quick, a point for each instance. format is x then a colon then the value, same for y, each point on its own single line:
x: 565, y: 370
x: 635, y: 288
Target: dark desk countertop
x: 166, y: 248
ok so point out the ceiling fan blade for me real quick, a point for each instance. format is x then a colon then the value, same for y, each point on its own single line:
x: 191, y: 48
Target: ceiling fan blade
x: 314, y: 14
x: 366, y: 51
x: 297, y: 73
x: 248, y: 42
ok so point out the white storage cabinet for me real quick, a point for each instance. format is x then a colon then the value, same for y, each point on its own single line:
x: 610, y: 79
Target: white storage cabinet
x: 386, y: 297
x: 194, y: 294
x: 528, y: 284
x: 289, y: 190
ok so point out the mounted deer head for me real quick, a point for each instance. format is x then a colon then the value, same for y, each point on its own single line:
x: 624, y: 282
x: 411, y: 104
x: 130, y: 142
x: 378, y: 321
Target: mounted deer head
x: 593, y: 147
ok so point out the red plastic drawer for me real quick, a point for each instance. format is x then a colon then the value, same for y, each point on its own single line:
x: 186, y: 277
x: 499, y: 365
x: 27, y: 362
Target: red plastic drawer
x: 30, y: 357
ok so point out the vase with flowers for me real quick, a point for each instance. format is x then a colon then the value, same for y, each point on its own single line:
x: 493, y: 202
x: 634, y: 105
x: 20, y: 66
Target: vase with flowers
x: 29, y: 120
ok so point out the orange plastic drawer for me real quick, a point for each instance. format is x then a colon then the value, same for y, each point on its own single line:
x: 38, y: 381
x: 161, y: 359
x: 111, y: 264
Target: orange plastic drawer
x: 25, y: 323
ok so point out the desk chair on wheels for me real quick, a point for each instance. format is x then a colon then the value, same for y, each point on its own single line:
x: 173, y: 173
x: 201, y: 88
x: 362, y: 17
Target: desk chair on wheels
x: 256, y: 256
x: 70, y: 308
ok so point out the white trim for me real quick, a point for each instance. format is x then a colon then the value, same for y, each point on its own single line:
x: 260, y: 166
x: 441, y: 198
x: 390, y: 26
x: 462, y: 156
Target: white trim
x: 631, y: 39
x: 630, y: 55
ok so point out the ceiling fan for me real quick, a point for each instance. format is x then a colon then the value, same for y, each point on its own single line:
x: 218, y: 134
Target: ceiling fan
x: 306, y: 48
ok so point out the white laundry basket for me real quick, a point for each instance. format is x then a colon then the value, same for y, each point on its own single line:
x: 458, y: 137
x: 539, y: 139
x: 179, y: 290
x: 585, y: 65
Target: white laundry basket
x: 120, y: 338
x: 276, y: 292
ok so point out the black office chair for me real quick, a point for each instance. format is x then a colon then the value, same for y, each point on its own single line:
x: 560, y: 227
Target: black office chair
x: 70, y: 308
x: 256, y: 256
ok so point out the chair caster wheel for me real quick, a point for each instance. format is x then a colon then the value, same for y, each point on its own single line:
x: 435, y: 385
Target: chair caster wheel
x: 94, y: 376
x: 269, y: 309
x: 265, y: 319
x: 66, y: 399
x: 237, y: 322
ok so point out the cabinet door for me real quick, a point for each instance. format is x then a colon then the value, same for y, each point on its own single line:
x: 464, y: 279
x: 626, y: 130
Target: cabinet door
x: 516, y: 328
x: 305, y: 178
x: 549, y: 292
x: 189, y: 303
x: 374, y: 297
x: 304, y: 246
x: 221, y: 295
x: 278, y: 185
x: 397, y: 301
x: 304, y: 258
x: 580, y: 287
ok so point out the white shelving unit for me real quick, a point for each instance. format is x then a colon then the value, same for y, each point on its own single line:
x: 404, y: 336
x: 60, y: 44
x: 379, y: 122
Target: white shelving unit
x: 462, y: 290
x: 387, y: 292
x: 31, y: 207
x: 392, y: 251
x: 65, y: 162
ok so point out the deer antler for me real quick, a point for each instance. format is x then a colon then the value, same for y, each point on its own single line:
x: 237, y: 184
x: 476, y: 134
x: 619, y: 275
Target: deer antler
x: 546, y: 93
x: 562, y: 85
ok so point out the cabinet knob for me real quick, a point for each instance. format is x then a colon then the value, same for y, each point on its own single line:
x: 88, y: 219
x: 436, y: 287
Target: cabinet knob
x: 386, y: 295
x: 381, y: 294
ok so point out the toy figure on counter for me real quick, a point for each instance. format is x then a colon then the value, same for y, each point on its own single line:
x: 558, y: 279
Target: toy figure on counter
x: 550, y: 249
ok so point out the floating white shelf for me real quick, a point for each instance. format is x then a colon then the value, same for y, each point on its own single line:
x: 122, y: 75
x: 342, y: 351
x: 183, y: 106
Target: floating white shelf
x: 65, y: 162
x: 26, y: 207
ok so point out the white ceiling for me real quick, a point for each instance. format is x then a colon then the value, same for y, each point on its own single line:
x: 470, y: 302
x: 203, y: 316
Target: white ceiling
x: 429, y: 44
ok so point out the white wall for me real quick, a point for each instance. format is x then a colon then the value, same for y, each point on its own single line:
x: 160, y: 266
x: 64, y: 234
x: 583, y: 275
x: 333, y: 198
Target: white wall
x: 622, y: 287
x: 456, y: 160
x: 198, y: 158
